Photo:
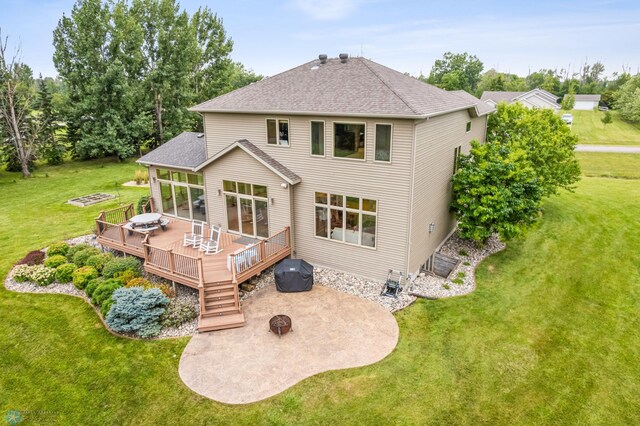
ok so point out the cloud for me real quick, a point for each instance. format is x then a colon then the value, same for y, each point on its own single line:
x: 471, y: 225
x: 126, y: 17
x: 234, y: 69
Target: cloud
x: 327, y: 10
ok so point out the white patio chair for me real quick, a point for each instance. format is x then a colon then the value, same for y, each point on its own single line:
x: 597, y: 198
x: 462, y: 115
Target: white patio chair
x: 212, y: 245
x: 194, y: 238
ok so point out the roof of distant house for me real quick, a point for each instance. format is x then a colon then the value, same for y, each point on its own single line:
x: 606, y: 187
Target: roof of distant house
x: 483, y: 107
x: 585, y: 98
x: 356, y: 87
x: 509, y: 97
x: 185, y: 151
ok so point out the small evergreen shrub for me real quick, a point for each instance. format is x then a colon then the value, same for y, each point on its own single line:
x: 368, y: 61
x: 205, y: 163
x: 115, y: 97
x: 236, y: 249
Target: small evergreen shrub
x: 177, y: 314
x: 461, y: 274
x: 72, y: 250
x: 92, y: 285
x: 457, y: 281
x: 120, y: 264
x: 60, y: 248
x: 104, y: 291
x: 106, y: 306
x: 35, y: 257
x: 127, y: 275
x: 139, y: 282
x: 98, y: 260
x: 82, y: 276
x: 64, y: 272
x: 80, y: 258
x: 467, y: 264
x: 136, y: 310
x: 55, y: 261
x: 463, y: 252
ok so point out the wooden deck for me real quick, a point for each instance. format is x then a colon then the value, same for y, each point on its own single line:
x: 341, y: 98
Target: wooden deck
x: 216, y: 276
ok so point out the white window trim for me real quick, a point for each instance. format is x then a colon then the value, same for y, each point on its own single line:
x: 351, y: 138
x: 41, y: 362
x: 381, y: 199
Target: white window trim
x: 266, y: 129
x: 470, y: 125
x: 187, y: 185
x: 333, y: 140
x: 253, y: 199
x: 324, y: 141
x: 375, y: 141
x: 344, y: 209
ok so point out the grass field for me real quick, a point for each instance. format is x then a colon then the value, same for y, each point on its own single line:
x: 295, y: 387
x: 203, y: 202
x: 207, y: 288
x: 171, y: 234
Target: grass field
x: 601, y: 164
x: 551, y: 335
x: 590, y: 130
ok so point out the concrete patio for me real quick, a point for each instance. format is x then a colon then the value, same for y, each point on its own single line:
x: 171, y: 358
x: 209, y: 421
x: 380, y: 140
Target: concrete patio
x: 331, y: 331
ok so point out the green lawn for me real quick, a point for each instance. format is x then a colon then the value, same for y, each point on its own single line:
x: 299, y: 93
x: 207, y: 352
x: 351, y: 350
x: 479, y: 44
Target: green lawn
x: 590, y: 130
x: 551, y: 335
x: 604, y: 164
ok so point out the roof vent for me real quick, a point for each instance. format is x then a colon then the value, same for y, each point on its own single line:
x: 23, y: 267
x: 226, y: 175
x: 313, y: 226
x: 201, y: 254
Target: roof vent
x: 344, y: 57
x: 323, y: 58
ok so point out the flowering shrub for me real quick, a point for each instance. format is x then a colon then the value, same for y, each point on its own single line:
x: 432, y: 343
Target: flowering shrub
x: 55, y: 261
x: 21, y: 273
x: 64, y: 272
x: 35, y: 257
x: 82, y: 276
x: 136, y: 310
x: 60, y: 248
x: 39, y: 274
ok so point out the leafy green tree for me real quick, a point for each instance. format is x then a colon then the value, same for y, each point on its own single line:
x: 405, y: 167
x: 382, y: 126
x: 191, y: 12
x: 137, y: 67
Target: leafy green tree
x: 628, y: 99
x: 495, y: 190
x: 606, y: 119
x: 547, y: 140
x: 456, y: 71
x: 569, y: 101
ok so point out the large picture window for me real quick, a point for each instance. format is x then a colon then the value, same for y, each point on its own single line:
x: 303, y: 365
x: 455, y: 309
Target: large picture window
x: 383, y: 142
x: 349, y: 140
x: 182, y: 194
x: 348, y: 219
x: 317, y: 138
x: 277, y: 132
x: 247, y: 208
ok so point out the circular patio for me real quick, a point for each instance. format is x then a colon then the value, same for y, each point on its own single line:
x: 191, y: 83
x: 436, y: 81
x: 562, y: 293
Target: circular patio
x: 330, y: 331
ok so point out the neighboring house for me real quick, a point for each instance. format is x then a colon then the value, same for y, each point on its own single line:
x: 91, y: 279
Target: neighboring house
x: 585, y: 102
x: 536, y: 98
x: 354, y: 157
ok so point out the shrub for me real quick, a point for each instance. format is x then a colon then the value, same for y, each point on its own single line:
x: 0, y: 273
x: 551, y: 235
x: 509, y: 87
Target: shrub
x: 60, y: 248
x: 127, y: 275
x: 35, y: 257
x: 64, y: 272
x: 139, y: 282
x: 141, y: 176
x: 177, y: 314
x: 137, y: 311
x: 98, y: 260
x: 104, y: 291
x: 141, y: 203
x: 106, y: 306
x: 92, y: 285
x: 120, y: 264
x: 72, y: 250
x: 42, y: 275
x: 55, y: 261
x: 457, y: 281
x: 80, y: 257
x: 21, y: 273
x: 82, y: 276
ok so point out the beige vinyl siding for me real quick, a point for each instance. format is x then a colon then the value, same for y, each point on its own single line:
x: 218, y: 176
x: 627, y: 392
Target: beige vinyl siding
x: 436, y: 140
x: 389, y: 184
x: 239, y: 166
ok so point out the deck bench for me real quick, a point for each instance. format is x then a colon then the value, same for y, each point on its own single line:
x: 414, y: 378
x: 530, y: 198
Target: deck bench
x: 164, y: 223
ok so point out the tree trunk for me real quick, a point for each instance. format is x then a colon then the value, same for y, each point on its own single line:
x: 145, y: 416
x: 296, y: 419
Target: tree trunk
x: 157, y: 106
x: 17, y: 135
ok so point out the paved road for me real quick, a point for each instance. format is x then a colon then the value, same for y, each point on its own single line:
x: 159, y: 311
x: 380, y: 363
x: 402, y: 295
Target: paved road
x: 609, y: 148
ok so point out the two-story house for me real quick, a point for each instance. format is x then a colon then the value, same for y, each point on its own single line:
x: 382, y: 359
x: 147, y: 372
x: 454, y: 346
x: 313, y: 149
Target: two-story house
x: 354, y: 157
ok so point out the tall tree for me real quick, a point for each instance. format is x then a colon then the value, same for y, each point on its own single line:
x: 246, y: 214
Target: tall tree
x: 17, y: 99
x: 628, y: 99
x: 456, y: 71
x: 51, y: 147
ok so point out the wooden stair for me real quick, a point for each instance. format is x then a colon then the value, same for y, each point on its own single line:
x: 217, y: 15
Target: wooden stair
x: 221, y: 307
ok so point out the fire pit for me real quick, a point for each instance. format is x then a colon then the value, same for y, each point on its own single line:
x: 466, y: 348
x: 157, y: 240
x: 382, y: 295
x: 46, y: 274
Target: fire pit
x: 280, y: 324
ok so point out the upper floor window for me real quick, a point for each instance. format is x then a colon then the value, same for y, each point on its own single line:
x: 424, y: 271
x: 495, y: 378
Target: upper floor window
x: 468, y: 126
x: 277, y: 132
x: 317, y: 138
x: 383, y: 142
x: 349, y: 140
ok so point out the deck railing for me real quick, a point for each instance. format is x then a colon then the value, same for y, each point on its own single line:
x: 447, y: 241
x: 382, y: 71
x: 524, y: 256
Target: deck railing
x: 109, y: 227
x: 178, y: 264
x: 149, y: 206
x: 254, y: 258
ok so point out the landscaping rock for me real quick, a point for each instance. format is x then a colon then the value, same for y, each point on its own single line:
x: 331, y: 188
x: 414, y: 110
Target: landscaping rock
x: 247, y: 287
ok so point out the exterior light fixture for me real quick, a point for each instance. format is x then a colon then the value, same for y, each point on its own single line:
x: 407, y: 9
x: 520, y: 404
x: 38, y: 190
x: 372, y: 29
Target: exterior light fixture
x: 284, y: 185
x: 432, y: 227
x: 219, y: 192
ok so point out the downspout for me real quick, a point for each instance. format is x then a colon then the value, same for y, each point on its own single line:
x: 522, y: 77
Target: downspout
x: 292, y: 228
x: 411, y: 200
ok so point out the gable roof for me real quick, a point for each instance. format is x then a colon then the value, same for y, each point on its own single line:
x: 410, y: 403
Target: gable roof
x: 509, y: 97
x: 482, y: 107
x: 550, y: 97
x: 264, y: 158
x: 359, y: 87
x: 185, y: 151
x: 585, y: 98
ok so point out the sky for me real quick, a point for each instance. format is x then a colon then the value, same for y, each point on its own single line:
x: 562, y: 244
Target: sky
x: 272, y: 36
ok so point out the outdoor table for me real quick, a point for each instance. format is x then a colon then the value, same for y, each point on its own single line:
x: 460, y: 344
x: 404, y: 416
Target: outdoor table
x: 145, y: 220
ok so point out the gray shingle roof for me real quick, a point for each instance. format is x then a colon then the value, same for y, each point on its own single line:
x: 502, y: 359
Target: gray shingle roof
x: 268, y: 161
x: 586, y: 98
x: 359, y: 87
x: 498, y: 97
x: 185, y: 151
x: 483, y: 107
